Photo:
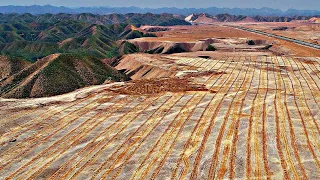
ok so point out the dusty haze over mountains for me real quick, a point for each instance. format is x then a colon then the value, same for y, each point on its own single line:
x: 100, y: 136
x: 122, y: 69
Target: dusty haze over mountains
x: 283, y: 4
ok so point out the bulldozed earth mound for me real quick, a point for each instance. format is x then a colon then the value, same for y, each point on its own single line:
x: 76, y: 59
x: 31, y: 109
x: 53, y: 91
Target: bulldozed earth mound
x: 154, y: 28
x: 155, y: 86
x: 204, y: 18
x: 314, y: 20
x: 170, y: 47
x: 144, y: 66
x: 201, y: 19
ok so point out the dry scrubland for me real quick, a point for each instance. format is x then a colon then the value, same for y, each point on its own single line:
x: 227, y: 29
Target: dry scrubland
x: 224, y: 115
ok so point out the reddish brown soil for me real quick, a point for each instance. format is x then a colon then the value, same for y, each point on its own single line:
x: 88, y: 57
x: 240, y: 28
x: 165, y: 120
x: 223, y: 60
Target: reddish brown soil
x: 147, y: 86
x: 195, y: 33
x: 305, y: 31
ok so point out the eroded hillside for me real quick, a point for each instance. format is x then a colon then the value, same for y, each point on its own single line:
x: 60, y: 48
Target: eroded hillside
x: 58, y: 74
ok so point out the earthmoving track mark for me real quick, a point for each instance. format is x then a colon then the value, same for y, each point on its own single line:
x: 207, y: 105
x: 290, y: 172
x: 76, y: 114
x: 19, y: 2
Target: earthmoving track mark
x: 292, y: 134
x: 57, y: 145
x: 214, y: 160
x: 211, y: 121
x: 226, y: 132
x: 166, y: 111
x: 264, y: 136
x: 14, y: 117
x: 303, y: 114
x: 312, y: 90
x: 169, y: 127
x: 48, y: 114
x: 231, y: 111
x: 186, y: 146
x: 235, y: 137
x: 33, y: 138
x: 284, y: 115
x: 184, y: 117
x: 308, y: 113
x: 280, y: 134
x: 101, y: 117
x: 70, y: 161
x: 130, y: 117
x: 126, y: 144
x: 29, y: 125
x: 248, y: 147
x: 256, y: 126
x: 189, y: 140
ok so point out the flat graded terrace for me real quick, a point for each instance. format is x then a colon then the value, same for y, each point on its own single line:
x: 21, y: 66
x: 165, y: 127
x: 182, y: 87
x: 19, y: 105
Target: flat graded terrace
x: 196, y: 33
x: 309, y: 32
x: 257, y: 117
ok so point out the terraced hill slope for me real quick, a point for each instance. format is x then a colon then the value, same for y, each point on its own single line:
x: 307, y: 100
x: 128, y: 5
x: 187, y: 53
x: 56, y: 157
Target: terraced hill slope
x: 234, y: 117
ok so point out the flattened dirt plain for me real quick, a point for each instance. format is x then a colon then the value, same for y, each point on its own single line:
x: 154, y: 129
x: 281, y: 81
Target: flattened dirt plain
x: 223, y: 115
x: 230, y: 35
x: 305, y: 31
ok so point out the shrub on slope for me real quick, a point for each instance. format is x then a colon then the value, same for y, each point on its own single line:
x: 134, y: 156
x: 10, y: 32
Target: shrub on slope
x: 11, y: 65
x: 59, y: 74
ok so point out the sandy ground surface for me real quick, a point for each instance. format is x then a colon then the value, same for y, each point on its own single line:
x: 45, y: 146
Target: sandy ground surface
x: 237, y: 117
x: 309, y: 32
x: 195, y: 33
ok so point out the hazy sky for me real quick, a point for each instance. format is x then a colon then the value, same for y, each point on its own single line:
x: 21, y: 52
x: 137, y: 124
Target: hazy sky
x: 279, y: 4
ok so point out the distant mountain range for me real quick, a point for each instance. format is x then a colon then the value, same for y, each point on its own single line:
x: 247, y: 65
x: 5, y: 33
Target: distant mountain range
x: 208, y: 19
x: 36, y: 9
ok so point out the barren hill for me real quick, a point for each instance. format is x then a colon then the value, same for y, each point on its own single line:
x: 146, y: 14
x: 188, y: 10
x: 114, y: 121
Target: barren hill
x: 314, y: 20
x: 204, y: 18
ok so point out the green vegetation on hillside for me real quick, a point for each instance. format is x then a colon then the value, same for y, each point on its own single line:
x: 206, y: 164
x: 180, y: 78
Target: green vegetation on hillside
x: 51, y: 54
x: 11, y: 65
x: 211, y: 48
x: 129, y: 48
x: 58, y: 75
x: 69, y: 72
x: 63, y: 37
x: 32, y: 37
x: 175, y: 49
x: 251, y: 42
x: 138, y: 34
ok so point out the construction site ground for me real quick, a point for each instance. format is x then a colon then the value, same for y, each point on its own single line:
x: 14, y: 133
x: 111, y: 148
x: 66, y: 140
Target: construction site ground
x: 240, y: 117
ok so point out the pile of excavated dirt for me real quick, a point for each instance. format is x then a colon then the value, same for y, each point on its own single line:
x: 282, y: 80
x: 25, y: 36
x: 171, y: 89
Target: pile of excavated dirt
x: 144, y: 66
x: 314, y: 20
x: 170, y: 47
x: 156, y: 86
x: 154, y: 28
